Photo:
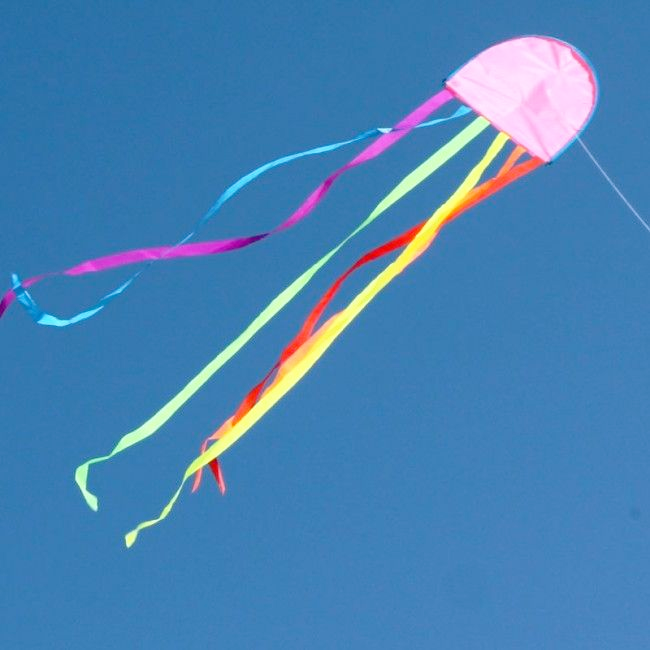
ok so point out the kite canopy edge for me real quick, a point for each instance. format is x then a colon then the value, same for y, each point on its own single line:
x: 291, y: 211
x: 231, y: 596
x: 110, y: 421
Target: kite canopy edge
x: 539, y: 90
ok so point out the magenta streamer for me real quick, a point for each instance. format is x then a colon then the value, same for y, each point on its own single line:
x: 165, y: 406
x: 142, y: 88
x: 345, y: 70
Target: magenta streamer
x: 125, y: 258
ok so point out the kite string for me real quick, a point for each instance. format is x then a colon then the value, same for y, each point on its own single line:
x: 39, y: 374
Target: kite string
x: 613, y: 185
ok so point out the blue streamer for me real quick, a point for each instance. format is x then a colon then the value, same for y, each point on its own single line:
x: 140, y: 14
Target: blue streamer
x: 42, y: 317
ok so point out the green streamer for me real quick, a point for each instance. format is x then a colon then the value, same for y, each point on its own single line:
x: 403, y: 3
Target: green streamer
x: 417, y: 176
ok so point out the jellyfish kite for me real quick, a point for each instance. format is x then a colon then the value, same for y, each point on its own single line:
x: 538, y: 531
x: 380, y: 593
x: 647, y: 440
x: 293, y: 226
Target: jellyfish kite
x: 535, y: 94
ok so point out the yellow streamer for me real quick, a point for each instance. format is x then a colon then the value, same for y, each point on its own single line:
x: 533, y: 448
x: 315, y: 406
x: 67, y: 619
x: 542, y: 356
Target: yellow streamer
x: 153, y: 424
x: 304, y: 358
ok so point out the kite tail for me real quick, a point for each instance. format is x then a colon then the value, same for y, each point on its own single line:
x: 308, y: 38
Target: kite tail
x: 387, y: 138
x: 298, y: 364
x: 307, y: 329
x: 153, y: 424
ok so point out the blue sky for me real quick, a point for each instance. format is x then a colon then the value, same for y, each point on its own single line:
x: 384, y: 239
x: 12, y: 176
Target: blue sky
x: 466, y: 468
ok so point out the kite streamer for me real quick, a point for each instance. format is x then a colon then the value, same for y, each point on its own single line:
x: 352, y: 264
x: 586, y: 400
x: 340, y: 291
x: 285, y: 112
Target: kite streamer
x: 504, y: 177
x: 537, y: 93
x: 388, y: 137
x: 417, y: 176
x: 298, y: 363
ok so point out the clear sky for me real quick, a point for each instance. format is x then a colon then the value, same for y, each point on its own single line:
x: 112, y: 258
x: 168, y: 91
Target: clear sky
x: 469, y: 465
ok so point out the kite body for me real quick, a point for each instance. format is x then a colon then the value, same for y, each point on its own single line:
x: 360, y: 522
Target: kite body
x: 537, y: 93
x: 540, y: 91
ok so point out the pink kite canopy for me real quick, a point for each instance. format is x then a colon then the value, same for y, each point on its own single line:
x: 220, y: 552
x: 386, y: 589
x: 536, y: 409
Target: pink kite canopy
x: 538, y: 90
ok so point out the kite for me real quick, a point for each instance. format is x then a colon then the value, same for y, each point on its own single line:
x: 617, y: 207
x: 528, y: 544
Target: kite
x: 535, y: 94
